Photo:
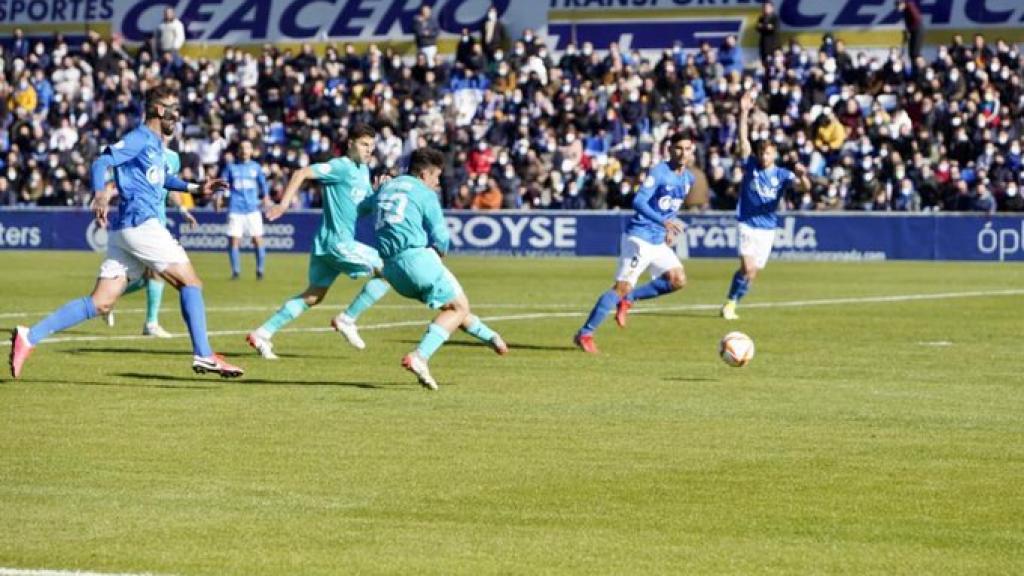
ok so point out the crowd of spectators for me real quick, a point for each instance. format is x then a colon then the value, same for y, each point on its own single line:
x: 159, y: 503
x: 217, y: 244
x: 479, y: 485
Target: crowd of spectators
x: 525, y: 127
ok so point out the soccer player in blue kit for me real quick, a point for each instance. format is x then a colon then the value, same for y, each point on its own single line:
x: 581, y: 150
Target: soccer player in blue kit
x: 762, y: 189
x: 137, y: 239
x: 248, y: 193
x: 150, y: 281
x: 647, y: 242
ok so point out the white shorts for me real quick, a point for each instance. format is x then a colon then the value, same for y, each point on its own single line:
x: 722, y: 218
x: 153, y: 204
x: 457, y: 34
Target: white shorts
x: 637, y: 255
x: 131, y: 250
x: 241, y: 225
x: 756, y: 243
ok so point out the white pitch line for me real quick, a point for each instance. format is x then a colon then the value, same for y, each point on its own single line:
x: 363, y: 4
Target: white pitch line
x: 577, y: 313
x: 43, y: 572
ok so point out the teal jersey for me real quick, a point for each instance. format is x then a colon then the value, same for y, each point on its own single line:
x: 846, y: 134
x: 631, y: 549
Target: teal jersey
x: 408, y: 216
x: 345, y: 185
x: 173, y: 164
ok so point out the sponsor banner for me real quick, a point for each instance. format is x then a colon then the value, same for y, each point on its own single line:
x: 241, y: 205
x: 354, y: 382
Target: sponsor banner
x: 556, y: 233
x: 641, y: 24
x: 259, y: 21
x: 50, y: 12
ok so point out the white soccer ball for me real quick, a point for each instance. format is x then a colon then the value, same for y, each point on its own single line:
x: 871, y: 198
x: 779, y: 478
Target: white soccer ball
x: 736, y: 349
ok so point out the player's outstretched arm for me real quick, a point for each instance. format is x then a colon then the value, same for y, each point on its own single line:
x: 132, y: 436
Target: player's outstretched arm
x: 746, y: 105
x: 297, y: 180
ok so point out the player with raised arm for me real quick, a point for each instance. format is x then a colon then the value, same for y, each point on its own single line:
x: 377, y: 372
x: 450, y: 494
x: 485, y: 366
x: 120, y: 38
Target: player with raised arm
x: 647, y: 242
x: 151, y: 281
x: 412, y: 236
x: 762, y: 189
x: 137, y: 239
x: 345, y: 183
x: 248, y: 193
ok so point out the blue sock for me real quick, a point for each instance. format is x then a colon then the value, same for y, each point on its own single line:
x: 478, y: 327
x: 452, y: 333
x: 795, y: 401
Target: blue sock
x: 652, y: 289
x: 235, y: 255
x: 136, y: 285
x: 68, y: 315
x: 372, y: 291
x: 193, y: 310
x: 261, y: 259
x: 739, y: 286
x: 605, y: 304
x: 479, y: 330
x: 432, y: 340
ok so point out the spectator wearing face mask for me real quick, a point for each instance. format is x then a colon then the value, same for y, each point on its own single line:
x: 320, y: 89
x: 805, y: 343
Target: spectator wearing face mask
x: 24, y: 100
x: 488, y: 195
x: 1011, y: 200
x: 480, y: 160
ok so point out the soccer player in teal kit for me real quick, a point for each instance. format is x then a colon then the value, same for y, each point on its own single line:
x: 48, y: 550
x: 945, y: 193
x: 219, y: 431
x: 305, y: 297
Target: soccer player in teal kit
x: 412, y: 236
x: 346, y: 183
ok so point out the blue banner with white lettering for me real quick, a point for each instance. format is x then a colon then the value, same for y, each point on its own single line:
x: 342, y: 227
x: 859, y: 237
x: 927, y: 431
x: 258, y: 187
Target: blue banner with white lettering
x: 640, y: 24
x: 836, y: 237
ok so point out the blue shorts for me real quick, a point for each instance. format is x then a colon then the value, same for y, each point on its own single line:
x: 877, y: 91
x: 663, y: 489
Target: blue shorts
x: 420, y: 275
x: 352, y: 258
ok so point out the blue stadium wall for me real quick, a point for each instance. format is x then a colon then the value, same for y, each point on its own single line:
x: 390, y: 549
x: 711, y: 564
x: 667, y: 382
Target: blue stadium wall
x: 839, y: 237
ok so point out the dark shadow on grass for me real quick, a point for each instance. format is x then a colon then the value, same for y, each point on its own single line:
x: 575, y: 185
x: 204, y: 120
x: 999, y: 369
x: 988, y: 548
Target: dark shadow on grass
x: 121, y: 384
x: 180, y: 352
x: 213, y: 379
x: 512, y: 346
x: 139, y: 351
x: 683, y: 379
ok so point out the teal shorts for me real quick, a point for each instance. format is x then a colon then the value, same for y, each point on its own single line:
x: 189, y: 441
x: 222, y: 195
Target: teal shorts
x: 420, y: 275
x: 352, y: 258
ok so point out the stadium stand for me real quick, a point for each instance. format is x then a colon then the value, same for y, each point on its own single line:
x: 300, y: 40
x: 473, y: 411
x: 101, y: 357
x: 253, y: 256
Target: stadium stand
x: 522, y: 127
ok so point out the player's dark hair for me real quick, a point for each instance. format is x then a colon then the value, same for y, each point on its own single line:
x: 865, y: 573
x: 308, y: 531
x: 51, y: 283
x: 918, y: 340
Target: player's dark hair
x: 361, y: 130
x: 679, y: 137
x: 424, y: 158
x: 157, y: 95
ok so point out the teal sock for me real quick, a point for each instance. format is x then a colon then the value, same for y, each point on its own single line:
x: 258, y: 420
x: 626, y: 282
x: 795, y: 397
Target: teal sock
x: 432, y: 340
x: 291, y: 310
x: 372, y: 291
x: 136, y: 285
x: 154, y: 296
x: 479, y: 330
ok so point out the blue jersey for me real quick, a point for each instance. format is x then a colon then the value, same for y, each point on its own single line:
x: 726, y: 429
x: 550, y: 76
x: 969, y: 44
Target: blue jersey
x: 760, y: 194
x: 248, y: 185
x: 658, y: 201
x: 139, y: 172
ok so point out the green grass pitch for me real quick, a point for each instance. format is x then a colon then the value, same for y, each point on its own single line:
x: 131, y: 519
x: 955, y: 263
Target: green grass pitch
x: 879, y: 430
